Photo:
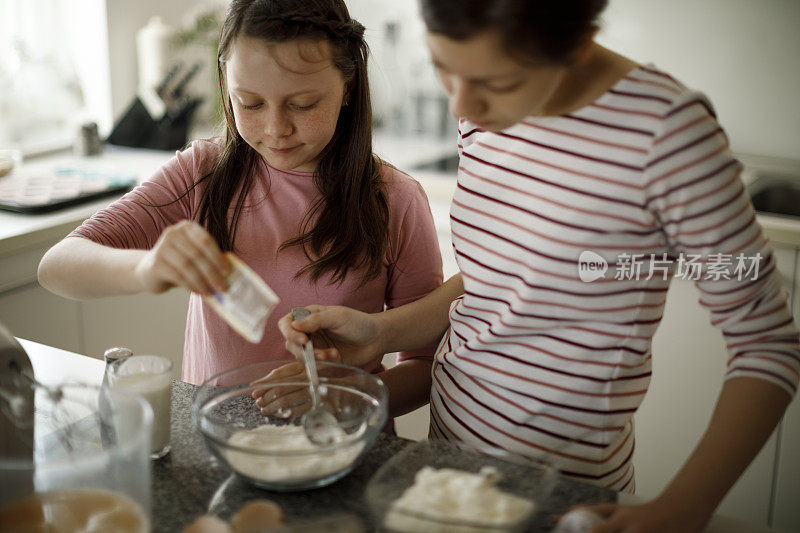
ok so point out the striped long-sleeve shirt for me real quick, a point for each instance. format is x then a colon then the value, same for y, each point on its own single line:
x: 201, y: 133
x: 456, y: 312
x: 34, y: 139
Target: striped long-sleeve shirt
x: 541, y: 359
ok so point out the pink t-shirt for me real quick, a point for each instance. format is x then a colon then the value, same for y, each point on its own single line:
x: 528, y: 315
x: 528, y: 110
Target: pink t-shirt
x: 274, y: 210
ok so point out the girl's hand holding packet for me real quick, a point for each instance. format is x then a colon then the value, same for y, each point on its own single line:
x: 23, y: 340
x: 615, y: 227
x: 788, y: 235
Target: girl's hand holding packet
x: 247, y: 302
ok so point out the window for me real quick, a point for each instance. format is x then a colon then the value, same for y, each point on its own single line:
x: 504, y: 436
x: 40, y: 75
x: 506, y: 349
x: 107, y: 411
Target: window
x: 44, y: 46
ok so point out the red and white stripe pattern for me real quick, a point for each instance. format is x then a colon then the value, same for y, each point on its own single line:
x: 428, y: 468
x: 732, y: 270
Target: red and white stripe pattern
x: 537, y: 361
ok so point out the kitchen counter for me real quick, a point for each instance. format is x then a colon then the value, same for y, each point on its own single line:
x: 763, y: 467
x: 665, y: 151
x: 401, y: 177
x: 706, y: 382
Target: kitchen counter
x: 20, y: 231
x: 781, y: 230
x: 189, y: 481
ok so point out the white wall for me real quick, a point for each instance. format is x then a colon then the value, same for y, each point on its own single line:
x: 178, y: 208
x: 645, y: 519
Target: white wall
x: 742, y: 53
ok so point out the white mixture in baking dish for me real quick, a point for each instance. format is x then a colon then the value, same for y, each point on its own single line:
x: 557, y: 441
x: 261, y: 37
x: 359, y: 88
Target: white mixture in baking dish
x: 286, y: 468
x: 446, y: 494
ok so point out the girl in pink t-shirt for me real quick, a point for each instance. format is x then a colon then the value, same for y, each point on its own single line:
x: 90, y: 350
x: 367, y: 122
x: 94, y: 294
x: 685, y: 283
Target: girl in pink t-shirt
x: 291, y: 186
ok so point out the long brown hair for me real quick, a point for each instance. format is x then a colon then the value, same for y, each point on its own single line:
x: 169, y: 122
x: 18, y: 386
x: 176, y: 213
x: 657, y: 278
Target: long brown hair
x: 351, y: 216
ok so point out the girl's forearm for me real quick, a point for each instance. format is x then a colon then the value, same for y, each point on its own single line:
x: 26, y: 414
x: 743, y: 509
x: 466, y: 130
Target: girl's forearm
x: 421, y: 323
x: 746, y: 413
x: 409, y: 384
x: 78, y: 268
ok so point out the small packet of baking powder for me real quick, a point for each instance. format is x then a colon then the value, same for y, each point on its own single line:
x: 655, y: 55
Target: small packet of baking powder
x: 247, y: 303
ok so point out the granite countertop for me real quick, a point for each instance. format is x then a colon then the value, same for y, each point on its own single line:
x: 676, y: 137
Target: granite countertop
x: 189, y: 482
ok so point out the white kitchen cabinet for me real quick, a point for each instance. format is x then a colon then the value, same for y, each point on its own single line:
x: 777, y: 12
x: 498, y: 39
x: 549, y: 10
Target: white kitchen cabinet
x: 786, y: 503
x: 34, y: 313
x: 145, y: 323
x: 28, y: 310
x: 689, y: 364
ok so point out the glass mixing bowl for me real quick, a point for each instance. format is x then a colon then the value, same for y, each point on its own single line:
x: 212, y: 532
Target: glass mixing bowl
x: 269, y: 449
x: 530, y: 481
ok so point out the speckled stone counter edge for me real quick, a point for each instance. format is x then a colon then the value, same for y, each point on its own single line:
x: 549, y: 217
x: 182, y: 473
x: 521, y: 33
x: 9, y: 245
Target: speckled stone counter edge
x: 189, y: 481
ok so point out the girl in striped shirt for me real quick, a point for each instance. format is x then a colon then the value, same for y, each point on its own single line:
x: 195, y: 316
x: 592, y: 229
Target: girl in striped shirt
x: 585, y: 183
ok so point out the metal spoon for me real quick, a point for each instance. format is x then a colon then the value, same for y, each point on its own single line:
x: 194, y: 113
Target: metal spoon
x: 319, y: 425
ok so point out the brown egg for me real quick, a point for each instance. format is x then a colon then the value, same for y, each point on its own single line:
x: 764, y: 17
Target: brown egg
x: 208, y: 524
x: 256, y: 516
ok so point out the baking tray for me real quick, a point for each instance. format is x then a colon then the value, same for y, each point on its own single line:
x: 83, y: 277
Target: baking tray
x: 43, y: 192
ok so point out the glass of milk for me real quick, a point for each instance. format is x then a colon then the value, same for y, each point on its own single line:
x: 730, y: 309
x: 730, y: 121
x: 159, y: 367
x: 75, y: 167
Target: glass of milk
x: 148, y: 376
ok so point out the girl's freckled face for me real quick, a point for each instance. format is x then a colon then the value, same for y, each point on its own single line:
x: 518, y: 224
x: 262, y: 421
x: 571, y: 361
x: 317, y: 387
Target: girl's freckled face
x: 286, y: 98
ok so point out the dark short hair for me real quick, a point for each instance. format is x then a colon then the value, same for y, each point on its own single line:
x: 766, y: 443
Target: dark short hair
x: 531, y: 30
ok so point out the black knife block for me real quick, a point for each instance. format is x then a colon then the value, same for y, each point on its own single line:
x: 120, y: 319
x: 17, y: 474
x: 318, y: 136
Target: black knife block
x: 138, y: 129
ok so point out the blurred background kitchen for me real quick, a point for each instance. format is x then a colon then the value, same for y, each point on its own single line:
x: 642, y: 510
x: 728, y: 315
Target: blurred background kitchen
x: 74, y: 73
